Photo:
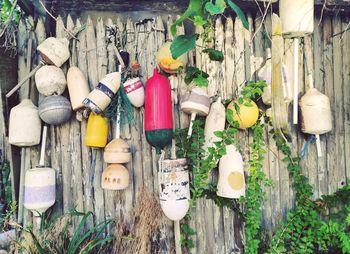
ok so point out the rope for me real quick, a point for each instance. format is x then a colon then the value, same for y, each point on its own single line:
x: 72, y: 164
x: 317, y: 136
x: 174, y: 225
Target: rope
x: 309, y: 141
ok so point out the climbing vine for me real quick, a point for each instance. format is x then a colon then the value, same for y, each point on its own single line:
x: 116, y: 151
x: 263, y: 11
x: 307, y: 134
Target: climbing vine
x: 308, y: 228
x: 202, y: 165
x: 200, y: 13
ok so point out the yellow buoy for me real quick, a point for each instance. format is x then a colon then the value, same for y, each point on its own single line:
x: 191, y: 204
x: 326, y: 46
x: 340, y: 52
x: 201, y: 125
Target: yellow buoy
x: 247, y: 116
x: 166, y: 62
x: 96, y: 131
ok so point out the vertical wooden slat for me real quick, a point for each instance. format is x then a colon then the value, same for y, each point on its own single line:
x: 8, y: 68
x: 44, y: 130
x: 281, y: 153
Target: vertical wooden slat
x: 346, y: 79
x: 338, y: 173
x: 328, y: 90
x: 91, y: 49
x: 85, y: 151
x: 320, y: 85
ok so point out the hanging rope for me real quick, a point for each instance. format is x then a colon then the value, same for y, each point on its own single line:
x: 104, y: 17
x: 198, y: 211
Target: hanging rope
x: 309, y: 141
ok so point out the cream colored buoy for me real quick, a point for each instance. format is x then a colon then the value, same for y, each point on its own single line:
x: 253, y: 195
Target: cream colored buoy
x: 115, y: 177
x: 316, y: 114
x: 265, y: 73
x: 98, y: 99
x: 50, y: 80
x: 297, y: 17
x: 40, y: 184
x: 117, y: 151
x: 195, y: 102
x: 215, y: 121
x: 25, y: 124
x: 54, y: 51
x: 231, y: 183
x: 135, y: 92
x: 174, y: 188
x: 78, y: 87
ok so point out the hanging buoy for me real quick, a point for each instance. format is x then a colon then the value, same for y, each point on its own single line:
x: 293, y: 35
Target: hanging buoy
x: 54, y: 51
x: 40, y: 184
x: 25, y: 124
x: 78, y: 87
x: 215, y: 122
x: 247, y: 116
x: 158, y: 111
x: 50, y: 80
x: 117, y: 151
x: 166, y: 62
x: 55, y: 110
x: 135, y: 92
x: 174, y: 188
x: 193, y: 103
x: 297, y: 18
x: 101, y: 96
x: 115, y: 177
x: 265, y: 73
x: 96, y: 131
x: 231, y: 183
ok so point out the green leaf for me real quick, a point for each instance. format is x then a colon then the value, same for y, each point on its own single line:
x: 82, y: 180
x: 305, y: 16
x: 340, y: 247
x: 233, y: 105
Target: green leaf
x: 239, y: 13
x: 201, y: 81
x: 182, y: 44
x: 199, y: 21
x: 194, y: 8
x: 218, y: 8
x: 214, y: 55
x: 194, y: 72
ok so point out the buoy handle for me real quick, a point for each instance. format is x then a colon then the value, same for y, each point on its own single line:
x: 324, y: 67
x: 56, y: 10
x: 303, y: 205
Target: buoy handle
x: 318, y: 146
x: 13, y: 90
x: 43, y: 147
x: 193, y: 117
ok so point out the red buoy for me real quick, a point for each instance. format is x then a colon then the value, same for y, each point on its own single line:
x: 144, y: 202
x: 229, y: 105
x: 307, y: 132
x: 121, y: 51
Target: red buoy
x: 158, y: 111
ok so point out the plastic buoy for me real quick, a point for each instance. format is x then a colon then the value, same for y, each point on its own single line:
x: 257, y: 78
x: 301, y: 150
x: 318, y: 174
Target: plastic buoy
x: 247, y: 116
x: 158, y: 111
x: 166, y: 62
x: 96, y: 131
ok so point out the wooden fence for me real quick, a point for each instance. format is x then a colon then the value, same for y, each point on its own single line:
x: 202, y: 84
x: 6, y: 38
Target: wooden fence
x: 219, y: 230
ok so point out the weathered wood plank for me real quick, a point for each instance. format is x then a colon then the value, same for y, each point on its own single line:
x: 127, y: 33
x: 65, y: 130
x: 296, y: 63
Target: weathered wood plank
x: 346, y: 79
x: 319, y: 84
x: 329, y: 91
x: 339, y: 171
x: 91, y: 49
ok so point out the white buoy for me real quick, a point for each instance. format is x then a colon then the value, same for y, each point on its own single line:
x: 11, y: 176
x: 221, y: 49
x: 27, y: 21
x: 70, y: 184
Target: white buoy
x: 297, y: 18
x: 316, y: 114
x: 231, y: 183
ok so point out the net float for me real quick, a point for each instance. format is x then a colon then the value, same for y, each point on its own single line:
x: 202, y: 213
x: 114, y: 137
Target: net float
x: 247, y: 116
x: 99, y: 98
x: 25, y: 124
x: 265, y: 73
x: 297, y: 18
x: 53, y: 51
x: 174, y: 188
x: 115, y: 177
x: 78, y: 87
x: 40, y: 184
x: 96, y: 131
x: 158, y: 122
x: 135, y: 92
x: 117, y: 151
x: 166, y: 62
x: 55, y: 110
x: 50, y: 80
x: 215, y: 121
x: 316, y: 114
x: 196, y: 102
x: 231, y: 183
